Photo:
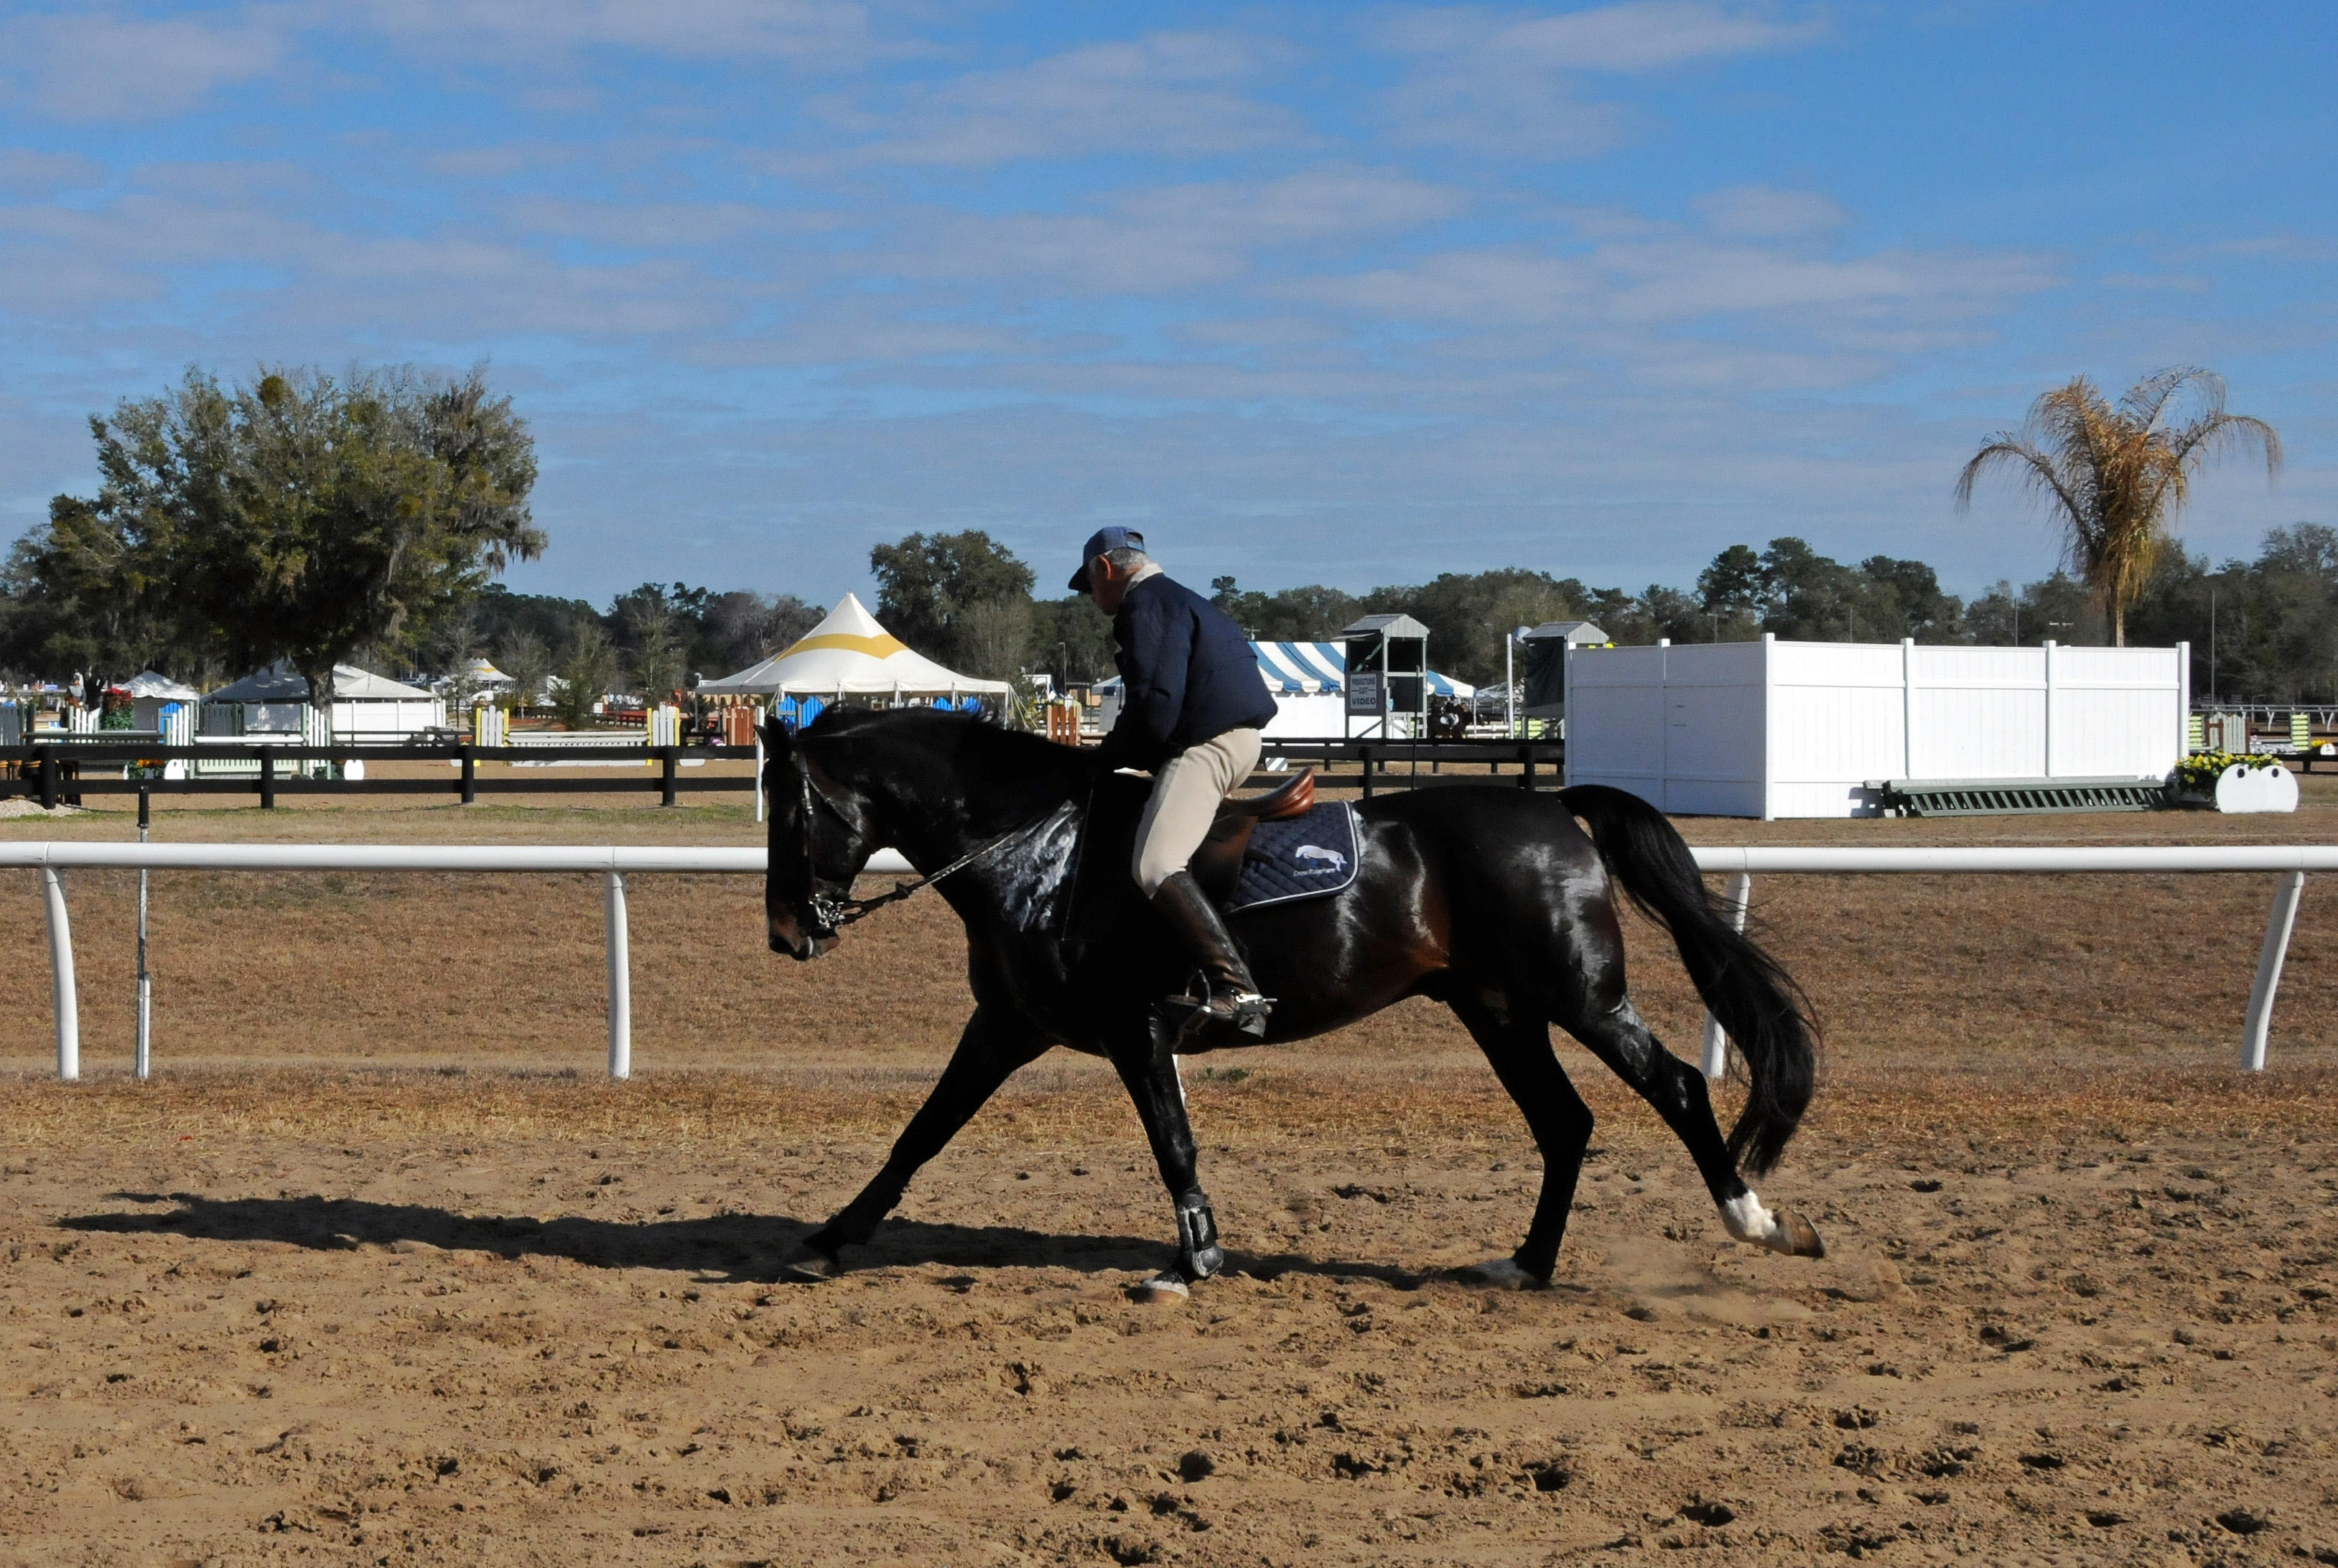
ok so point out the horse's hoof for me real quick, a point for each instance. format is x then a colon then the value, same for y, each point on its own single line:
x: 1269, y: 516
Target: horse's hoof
x: 1161, y: 1287
x: 1796, y: 1237
x: 1498, y: 1274
x: 810, y: 1266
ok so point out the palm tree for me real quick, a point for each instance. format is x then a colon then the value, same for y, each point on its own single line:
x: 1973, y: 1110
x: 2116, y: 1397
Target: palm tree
x: 2117, y: 476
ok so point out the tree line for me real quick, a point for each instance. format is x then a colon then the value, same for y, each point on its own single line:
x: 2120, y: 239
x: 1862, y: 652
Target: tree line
x: 2263, y: 630
x: 364, y: 518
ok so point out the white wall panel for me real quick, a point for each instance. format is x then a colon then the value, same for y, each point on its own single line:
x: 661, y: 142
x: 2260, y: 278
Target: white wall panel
x: 1978, y: 731
x: 1796, y: 729
x: 1833, y: 663
x: 1308, y: 716
x: 1616, y: 704
x: 1830, y: 733
x: 1714, y: 729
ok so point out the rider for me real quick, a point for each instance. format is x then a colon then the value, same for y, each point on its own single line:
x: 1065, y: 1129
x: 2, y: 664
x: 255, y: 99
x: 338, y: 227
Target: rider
x: 1192, y: 704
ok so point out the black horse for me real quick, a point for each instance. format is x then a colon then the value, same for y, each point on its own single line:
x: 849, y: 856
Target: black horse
x: 1489, y: 899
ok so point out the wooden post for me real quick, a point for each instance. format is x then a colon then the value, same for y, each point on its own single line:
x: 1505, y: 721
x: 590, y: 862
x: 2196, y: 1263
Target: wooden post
x: 267, y: 779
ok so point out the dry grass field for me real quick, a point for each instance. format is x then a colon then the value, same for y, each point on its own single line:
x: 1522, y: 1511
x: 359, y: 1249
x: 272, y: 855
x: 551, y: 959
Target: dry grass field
x: 380, y: 1270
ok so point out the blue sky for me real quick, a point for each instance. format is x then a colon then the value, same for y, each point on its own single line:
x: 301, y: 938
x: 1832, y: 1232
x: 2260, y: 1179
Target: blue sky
x: 1312, y: 293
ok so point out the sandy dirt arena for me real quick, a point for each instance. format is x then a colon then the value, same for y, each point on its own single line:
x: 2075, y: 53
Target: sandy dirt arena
x: 379, y: 1270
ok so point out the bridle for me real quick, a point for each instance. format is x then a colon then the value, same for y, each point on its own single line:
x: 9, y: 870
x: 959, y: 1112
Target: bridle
x: 832, y: 914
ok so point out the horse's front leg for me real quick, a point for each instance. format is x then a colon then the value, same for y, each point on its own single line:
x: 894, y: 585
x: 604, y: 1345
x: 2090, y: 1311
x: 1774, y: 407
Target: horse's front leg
x: 1148, y: 1066
x: 993, y: 1045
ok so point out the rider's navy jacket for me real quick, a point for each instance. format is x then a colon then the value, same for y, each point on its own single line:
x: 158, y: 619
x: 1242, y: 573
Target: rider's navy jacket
x: 1187, y: 672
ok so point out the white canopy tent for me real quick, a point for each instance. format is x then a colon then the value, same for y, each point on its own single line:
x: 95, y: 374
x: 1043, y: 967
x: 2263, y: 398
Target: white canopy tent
x: 848, y: 654
x: 153, y: 683
x: 481, y: 675
x: 151, y: 691
x: 273, y: 702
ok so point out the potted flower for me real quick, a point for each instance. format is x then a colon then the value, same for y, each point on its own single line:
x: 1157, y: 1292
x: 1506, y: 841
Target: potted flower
x: 2232, y: 781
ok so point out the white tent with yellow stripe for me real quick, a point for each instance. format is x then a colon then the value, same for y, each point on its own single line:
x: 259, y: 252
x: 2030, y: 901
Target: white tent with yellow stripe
x: 850, y: 655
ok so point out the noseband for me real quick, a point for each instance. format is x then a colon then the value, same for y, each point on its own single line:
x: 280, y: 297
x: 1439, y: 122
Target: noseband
x: 832, y: 914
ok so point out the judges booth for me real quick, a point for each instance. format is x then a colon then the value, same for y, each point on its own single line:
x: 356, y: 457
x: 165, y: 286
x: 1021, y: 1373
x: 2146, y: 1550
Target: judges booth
x: 1387, y: 676
x: 1546, y: 647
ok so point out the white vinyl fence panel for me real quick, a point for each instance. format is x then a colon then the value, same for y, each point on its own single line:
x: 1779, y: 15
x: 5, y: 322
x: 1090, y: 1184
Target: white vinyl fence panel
x: 1773, y: 728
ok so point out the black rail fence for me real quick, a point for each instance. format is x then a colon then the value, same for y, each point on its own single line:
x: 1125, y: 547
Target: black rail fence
x: 1368, y: 765
x: 63, y: 771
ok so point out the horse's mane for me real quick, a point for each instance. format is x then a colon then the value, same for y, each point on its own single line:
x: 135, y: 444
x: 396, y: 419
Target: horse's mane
x: 995, y: 746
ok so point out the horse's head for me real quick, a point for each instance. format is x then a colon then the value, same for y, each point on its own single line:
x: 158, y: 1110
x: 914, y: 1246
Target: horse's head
x: 819, y: 839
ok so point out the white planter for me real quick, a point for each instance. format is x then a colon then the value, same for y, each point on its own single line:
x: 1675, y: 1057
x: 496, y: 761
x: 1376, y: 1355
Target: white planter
x: 2241, y: 787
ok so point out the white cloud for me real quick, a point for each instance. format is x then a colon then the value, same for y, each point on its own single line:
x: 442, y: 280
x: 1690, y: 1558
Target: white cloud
x: 1509, y: 84
x: 1682, y: 279
x: 1679, y: 309
x: 98, y: 65
x: 1762, y: 212
x: 1167, y: 93
x: 222, y: 253
x: 830, y: 31
x: 1175, y: 237
x: 26, y: 173
x: 1634, y: 37
x: 659, y: 225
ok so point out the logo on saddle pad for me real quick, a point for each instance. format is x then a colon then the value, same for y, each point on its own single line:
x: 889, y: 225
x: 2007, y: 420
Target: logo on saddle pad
x: 1310, y: 857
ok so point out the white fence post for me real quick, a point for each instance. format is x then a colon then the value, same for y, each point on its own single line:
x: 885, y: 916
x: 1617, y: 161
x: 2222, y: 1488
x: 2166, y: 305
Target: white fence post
x: 2254, y: 1033
x: 621, y: 988
x: 1907, y: 710
x: 141, y: 1060
x: 1716, y: 1041
x: 60, y: 971
x: 2047, y: 648
x: 758, y: 771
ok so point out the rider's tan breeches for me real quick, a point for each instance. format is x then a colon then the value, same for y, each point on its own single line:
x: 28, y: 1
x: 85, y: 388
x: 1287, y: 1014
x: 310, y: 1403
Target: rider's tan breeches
x: 1186, y: 792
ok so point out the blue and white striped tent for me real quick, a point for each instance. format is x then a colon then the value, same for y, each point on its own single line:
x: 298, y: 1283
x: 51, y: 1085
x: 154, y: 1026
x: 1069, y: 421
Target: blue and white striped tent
x: 1314, y: 670
x: 1305, y: 669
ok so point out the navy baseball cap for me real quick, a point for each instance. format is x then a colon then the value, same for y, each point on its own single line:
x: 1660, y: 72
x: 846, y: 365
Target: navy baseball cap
x: 1102, y: 541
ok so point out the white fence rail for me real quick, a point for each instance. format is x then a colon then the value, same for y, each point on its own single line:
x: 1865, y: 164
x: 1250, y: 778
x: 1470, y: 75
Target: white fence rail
x: 1741, y: 864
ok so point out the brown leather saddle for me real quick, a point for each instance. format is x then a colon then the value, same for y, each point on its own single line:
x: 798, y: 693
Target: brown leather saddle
x: 1217, y: 864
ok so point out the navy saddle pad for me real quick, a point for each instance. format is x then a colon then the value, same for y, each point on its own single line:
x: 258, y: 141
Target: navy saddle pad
x: 1299, y: 858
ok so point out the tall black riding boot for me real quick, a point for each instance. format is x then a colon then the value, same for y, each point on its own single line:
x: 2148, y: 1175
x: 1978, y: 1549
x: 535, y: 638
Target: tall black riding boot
x: 1230, y: 996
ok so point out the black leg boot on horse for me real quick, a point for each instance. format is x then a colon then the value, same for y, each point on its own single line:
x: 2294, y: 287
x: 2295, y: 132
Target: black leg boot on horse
x: 1229, y: 999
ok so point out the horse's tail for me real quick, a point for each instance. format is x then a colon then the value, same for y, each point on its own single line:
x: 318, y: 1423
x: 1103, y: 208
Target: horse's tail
x: 1756, y: 1001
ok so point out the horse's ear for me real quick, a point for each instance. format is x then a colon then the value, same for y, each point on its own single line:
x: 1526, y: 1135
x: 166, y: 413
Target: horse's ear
x: 777, y: 741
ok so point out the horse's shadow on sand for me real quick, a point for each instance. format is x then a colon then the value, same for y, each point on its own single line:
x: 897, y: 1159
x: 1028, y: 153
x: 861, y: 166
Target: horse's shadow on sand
x: 730, y: 1249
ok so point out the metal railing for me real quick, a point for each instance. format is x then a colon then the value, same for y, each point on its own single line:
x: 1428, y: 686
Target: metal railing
x: 615, y: 863
x: 51, y: 770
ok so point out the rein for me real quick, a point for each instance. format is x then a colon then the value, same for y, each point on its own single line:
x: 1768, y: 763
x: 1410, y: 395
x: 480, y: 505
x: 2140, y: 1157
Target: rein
x: 834, y: 913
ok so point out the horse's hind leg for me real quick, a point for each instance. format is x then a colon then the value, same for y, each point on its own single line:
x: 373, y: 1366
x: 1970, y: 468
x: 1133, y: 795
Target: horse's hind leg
x: 1618, y: 1037
x: 992, y: 1046
x: 1521, y: 1057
